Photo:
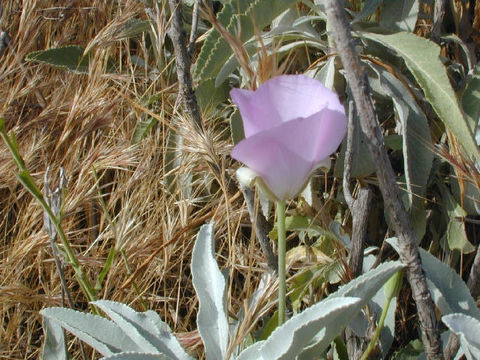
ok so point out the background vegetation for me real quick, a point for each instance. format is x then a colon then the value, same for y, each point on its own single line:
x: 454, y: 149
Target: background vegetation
x: 141, y: 178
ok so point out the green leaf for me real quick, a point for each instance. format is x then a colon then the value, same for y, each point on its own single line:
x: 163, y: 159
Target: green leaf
x: 67, y: 57
x: 369, y: 7
x: 365, y: 287
x: 471, y: 196
x: 327, y: 73
x: 467, y: 329
x: 340, y: 349
x: 362, y: 163
x: 394, y: 141
x: 133, y: 28
x: 417, y: 142
x: 416, y: 147
x: 456, y: 233
x: 410, y: 352
x: 209, y: 95
x: 103, y: 335
x: 471, y: 100
x: 299, y: 223
x: 236, y: 127
x: 250, y: 16
x: 457, y: 237
x: 210, y: 286
x: 142, y: 128
x: 400, y: 14
x: 422, y: 58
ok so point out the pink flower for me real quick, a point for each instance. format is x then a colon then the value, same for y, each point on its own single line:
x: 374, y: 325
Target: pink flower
x: 291, y: 123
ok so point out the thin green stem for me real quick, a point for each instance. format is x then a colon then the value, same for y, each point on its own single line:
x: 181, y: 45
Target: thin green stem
x: 282, y: 287
x: 106, y: 268
x: 70, y: 255
x: 378, y: 330
x: 27, y: 181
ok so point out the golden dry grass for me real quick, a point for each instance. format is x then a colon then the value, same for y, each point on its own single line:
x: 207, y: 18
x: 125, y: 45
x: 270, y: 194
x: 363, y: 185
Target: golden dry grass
x: 86, y: 122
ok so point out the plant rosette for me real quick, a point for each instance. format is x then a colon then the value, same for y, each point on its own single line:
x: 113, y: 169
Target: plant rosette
x: 292, y: 124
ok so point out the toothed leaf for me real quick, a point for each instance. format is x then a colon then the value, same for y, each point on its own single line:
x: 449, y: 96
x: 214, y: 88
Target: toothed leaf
x: 103, y: 335
x: 210, y: 286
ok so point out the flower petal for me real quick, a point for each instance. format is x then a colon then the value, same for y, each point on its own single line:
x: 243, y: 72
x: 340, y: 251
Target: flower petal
x: 283, y: 171
x: 282, y: 99
x: 256, y: 115
x: 285, y: 156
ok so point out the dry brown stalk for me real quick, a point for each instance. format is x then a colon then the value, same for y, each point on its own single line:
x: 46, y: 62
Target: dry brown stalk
x: 408, y: 250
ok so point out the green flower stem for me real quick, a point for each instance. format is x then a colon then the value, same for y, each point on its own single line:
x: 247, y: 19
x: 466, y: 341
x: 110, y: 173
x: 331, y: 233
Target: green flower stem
x: 282, y: 287
x: 67, y: 250
x: 376, y: 335
x: 27, y: 181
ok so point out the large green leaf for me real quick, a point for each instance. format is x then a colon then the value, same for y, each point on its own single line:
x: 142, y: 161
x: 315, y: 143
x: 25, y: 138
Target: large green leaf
x: 362, y: 163
x: 243, y: 16
x: 422, y: 58
x: 471, y: 100
x: 456, y: 232
x: 417, y: 146
x: 67, y: 57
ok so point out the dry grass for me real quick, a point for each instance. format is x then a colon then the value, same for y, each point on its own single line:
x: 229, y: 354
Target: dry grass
x: 86, y: 122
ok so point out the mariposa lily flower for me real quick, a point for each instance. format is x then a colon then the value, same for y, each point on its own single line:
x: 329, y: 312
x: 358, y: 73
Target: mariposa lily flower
x: 292, y: 124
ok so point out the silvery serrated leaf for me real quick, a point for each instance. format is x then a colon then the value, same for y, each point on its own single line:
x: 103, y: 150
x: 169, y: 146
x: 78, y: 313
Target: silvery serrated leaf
x: 146, y: 329
x: 252, y: 352
x: 210, y: 286
x: 467, y: 329
x: 312, y: 329
x: 364, y: 287
x: 54, y: 347
x: 417, y: 143
x: 103, y: 335
x: 136, y: 356
x: 367, y: 285
x: 422, y: 58
x: 449, y: 291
